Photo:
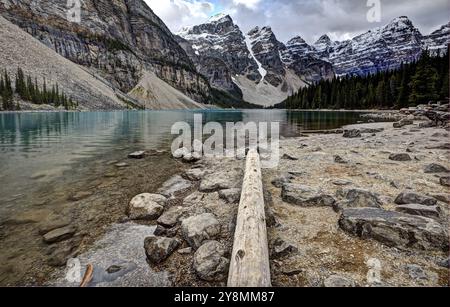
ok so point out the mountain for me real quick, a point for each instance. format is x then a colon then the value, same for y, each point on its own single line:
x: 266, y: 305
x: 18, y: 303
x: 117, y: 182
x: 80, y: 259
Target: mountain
x: 119, y: 40
x: 380, y: 49
x: 263, y: 68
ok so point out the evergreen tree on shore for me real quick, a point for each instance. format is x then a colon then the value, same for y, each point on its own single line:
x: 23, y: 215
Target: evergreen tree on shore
x: 410, y: 85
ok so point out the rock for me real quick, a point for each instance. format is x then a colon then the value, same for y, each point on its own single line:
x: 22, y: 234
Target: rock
x: 416, y: 272
x: 161, y: 231
x: 222, y: 180
x: 146, y: 206
x: 171, y: 217
x: 354, y: 133
x: 194, y: 174
x: 445, y: 146
x: 401, y: 157
x: 337, y: 281
x: 409, y: 197
x: 231, y: 196
x: 291, y: 272
x: 175, y: 185
x: 394, y: 229
x: 200, y: 228
x: 289, y: 157
x: 59, y: 234
x: 435, y: 168
x: 339, y: 160
x: 305, y: 196
x: 283, y: 179
x: 421, y: 210
x: 427, y: 124
x: 80, y: 195
x: 404, y: 122
x: 358, y: 198
x: 281, y: 248
x: 59, y: 254
x: 137, y: 155
x: 122, y: 165
x: 185, y: 251
x: 53, y: 222
x: 341, y: 182
x: 371, y: 130
x: 158, y: 249
x: 180, y: 153
x: 443, y: 197
x: 445, y: 181
x: 210, y: 263
x: 445, y: 263
x: 191, y: 157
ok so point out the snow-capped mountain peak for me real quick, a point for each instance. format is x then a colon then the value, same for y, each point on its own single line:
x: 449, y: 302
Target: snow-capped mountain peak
x: 220, y: 18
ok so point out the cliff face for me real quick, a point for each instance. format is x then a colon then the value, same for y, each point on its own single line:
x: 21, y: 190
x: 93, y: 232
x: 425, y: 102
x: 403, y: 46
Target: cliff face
x: 117, y: 39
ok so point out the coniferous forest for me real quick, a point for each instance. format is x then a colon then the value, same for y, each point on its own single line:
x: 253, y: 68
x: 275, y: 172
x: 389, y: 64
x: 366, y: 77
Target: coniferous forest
x: 412, y: 84
x: 28, y: 89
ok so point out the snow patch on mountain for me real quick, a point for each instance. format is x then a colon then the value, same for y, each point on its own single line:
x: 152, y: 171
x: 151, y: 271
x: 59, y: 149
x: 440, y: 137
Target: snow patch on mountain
x: 261, y: 69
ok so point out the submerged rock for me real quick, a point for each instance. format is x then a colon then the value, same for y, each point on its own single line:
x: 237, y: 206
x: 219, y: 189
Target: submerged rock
x: 137, y: 155
x: 394, y: 229
x: 210, y: 263
x: 146, y: 206
x: 59, y: 234
x: 197, y: 229
x: 305, y: 196
x: 158, y: 249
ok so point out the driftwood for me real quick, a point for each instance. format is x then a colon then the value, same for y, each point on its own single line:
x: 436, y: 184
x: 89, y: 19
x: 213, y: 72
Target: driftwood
x: 87, y: 276
x: 249, y: 265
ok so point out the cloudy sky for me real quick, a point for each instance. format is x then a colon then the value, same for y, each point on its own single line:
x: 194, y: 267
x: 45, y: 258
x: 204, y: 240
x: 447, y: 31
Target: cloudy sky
x: 341, y: 19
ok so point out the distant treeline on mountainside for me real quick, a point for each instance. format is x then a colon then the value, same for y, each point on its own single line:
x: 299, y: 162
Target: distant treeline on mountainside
x: 412, y: 84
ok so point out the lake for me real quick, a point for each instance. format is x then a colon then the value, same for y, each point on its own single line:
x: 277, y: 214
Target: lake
x: 46, y: 158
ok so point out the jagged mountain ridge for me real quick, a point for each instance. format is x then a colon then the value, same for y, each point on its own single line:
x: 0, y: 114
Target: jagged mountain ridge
x: 117, y: 39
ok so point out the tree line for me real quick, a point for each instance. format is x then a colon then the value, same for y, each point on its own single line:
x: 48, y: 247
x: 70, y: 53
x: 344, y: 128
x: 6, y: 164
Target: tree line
x: 419, y: 82
x: 28, y: 89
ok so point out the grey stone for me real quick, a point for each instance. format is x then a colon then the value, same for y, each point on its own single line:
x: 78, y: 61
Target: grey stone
x: 80, y: 195
x: 358, y: 198
x: 197, y: 229
x: 340, y: 160
x: 353, y: 133
x: 158, y: 249
x: 289, y: 157
x: 231, y: 196
x: 394, y: 229
x: 278, y: 182
x: 185, y: 251
x: 194, y: 174
x: 305, y: 196
x: 400, y: 157
x: 443, y: 197
x: 337, y: 281
x: 175, y: 185
x: 416, y: 272
x: 404, y: 122
x: 122, y: 165
x: 281, y: 248
x: 445, y: 181
x: 180, y: 153
x: 53, y: 222
x: 146, y: 206
x: 445, y: 146
x: 137, y: 155
x: 171, y: 216
x: 222, y: 180
x: 435, y: 168
x: 415, y: 209
x: 210, y: 263
x: 410, y: 197
x: 342, y: 182
x: 60, y: 234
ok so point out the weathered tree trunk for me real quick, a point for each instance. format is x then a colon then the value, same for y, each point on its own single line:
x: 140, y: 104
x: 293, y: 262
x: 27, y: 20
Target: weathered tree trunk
x: 250, y: 258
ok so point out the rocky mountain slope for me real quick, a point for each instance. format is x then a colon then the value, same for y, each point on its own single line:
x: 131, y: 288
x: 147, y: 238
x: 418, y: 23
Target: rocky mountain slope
x: 379, y: 49
x: 264, y: 69
x: 19, y: 49
x: 118, y: 39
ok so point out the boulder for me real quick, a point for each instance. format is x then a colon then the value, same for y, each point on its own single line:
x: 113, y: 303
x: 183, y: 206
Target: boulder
x: 358, y: 198
x: 210, y: 263
x: 400, y: 157
x: 222, y: 180
x: 421, y: 210
x: 231, y: 196
x: 445, y: 181
x: 175, y: 185
x: 137, y: 155
x: 171, y: 217
x: 305, y: 196
x: 435, y: 168
x: 353, y: 133
x: 409, y: 197
x: 197, y: 229
x: 60, y: 234
x: 194, y: 174
x: 146, y: 206
x: 338, y: 281
x: 158, y: 249
x: 394, y: 229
